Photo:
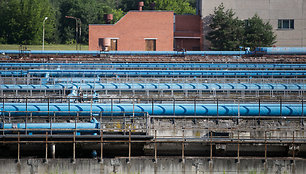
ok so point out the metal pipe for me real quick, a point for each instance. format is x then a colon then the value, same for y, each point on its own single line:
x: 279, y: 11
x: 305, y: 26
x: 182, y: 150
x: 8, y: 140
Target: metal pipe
x: 73, y: 153
x: 183, y: 146
x: 266, y: 109
x: 130, y: 148
x: 150, y: 66
x: 43, y: 47
x: 258, y: 51
x: 53, y: 151
x: 155, y: 73
x: 18, y: 148
x: 46, y: 150
x: 101, y: 146
x: 157, y: 87
x: 155, y: 146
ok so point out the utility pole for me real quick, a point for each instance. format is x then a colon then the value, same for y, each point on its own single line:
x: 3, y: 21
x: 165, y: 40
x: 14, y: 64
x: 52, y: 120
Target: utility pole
x: 78, y: 24
x: 43, y: 46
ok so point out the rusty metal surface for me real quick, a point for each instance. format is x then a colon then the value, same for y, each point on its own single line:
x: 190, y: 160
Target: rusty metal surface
x: 156, y: 59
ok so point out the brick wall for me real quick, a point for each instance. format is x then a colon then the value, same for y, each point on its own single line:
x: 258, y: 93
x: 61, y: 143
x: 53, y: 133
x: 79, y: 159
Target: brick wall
x: 132, y: 30
x: 187, y: 32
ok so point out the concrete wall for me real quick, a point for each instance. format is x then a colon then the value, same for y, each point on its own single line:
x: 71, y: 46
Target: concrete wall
x: 269, y: 10
x: 146, y: 165
x: 132, y: 30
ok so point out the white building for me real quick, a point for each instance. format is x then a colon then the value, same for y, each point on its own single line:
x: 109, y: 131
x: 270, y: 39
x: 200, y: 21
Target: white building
x: 287, y: 17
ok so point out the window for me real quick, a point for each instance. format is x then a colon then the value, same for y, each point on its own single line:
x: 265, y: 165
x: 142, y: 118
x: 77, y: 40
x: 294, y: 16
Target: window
x: 285, y: 24
x: 114, y: 46
x: 101, y: 44
x: 108, y: 44
x: 150, y: 44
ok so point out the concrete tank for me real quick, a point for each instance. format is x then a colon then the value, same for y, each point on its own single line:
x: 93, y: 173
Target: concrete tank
x: 107, y: 42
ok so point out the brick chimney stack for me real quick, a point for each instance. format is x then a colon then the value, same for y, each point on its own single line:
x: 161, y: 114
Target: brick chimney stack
x: 141, y: 4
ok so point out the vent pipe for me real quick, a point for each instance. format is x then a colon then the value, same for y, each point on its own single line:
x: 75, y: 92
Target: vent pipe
x: 141, y: 4
x: 108, y: 18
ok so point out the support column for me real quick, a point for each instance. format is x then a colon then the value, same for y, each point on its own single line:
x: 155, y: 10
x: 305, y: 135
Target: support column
x: 155, y: 147
x: 266, y: 154
x: 183, y: 146
x: 293, y: 153
x: 130, y: 149
x: 73, y: 155
x: 18, y: 148
x: 46, y: 155
x: 238, y: 150
x: 53, y: 151
x: 101, y: 147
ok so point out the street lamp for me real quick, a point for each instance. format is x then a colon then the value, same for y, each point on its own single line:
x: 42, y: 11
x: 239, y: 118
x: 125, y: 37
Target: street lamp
x: 43, y: 47
x: 77, y: 21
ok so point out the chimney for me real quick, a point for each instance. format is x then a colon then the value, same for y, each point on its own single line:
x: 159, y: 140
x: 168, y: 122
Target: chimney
x: 141, y: 4
x: 108, y: 18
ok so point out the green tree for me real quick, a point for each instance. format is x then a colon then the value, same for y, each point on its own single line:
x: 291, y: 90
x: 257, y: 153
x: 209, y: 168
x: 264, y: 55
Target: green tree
x: 127, y: 5
x: 178, y: 6
x: 22, y: 21
x: 89, y: 12
x: 226, y: 30
x: 258, y: 33
x: 193, y: 3
x: 117, y: 14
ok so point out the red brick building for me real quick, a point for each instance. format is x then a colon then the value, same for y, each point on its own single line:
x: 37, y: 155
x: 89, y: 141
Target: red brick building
x: 187, y: 34
x: 137, y: 31
x: 147, y: 31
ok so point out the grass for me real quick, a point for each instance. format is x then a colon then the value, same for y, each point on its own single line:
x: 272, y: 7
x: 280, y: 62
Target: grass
x: 39, y: 47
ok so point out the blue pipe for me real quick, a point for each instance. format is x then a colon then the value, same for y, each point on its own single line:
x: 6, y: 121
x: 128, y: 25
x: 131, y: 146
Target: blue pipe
x: 260, y: 50
x: 281, y: 50
x: 152, y: 65
x: 152, y: 53
x: 56, y: 127
x: 158, y: 109
x: 150, y: 73
x: 157, y: 86
x: 50, y: 52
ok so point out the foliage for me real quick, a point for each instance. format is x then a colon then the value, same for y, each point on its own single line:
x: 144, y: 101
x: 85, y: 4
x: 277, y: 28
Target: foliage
x: 258, y: 33
x: 193, y: 3
x: 22, y: 21
x: 38, y: 47
x: 226, y: 30
x: 178, y: 6
x: 118, y: 14
x: 127, y: 5
x: 89, y: 12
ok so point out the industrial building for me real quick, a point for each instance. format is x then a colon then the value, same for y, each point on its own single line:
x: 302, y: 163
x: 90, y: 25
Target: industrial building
x: 162, y: 108
x: 288, y: 18
x: 164, y: 32
x: 140, y: 112
x: 147, y: 31
x: 167, y: 31
x: 134, y: 32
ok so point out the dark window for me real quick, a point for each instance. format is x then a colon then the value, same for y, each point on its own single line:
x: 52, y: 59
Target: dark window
x: 292, y: 24
x: 150, y: 45
x: 101, y: 43
x: 285, y: 24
